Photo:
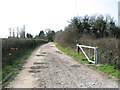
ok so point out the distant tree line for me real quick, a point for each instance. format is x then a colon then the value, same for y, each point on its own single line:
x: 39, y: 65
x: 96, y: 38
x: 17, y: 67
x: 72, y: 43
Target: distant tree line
x: 97, y: 26
x: 98, y: 31
x: 29, y: 35
x: 87, y: 27
x: 47, y: 34
x: 19, y: 33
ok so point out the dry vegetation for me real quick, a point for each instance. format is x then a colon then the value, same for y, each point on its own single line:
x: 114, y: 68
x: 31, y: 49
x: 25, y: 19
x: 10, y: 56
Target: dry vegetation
x: 98, y: 33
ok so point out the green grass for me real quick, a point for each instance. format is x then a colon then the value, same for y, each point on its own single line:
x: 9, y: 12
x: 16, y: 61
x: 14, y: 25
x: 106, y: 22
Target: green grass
x: 74, y: 54
x: 12, y: 78
x: 110, y: 70
x: 21, y: 59
x: 8, y: 68
x: 0, y: 75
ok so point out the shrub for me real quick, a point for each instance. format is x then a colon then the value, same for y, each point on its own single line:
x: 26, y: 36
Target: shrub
x: 13, y: 48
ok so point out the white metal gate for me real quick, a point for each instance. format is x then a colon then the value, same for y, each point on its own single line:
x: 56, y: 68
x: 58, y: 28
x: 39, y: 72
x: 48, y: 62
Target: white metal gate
x: 90, y: 47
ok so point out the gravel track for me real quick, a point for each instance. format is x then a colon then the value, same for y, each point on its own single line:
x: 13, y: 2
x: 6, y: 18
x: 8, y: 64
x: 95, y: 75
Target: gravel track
x: 48, y: 67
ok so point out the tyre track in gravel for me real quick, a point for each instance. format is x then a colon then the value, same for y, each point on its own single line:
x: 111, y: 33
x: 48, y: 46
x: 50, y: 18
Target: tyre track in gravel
x: 48, y: 67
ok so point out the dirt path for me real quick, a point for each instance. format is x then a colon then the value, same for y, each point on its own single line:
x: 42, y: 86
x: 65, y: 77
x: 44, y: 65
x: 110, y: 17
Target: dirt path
x: 48, y: 67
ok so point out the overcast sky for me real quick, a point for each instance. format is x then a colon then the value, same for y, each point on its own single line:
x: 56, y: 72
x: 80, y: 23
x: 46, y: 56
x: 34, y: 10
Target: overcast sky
x: 39, y: 15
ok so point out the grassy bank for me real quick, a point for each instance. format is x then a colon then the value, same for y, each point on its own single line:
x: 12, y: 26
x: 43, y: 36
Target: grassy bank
x: 17, y: 52
x: 110, y: 70
x: 16, y: 67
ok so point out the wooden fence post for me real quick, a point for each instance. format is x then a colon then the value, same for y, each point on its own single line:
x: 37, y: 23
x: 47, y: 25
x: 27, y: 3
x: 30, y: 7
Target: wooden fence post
x: 78, y: 50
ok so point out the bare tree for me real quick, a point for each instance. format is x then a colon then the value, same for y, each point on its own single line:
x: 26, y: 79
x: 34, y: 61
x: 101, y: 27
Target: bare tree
x: 18, y: 32
x: 22, y: 33
x: 13, y: 33
x: 9, y: 32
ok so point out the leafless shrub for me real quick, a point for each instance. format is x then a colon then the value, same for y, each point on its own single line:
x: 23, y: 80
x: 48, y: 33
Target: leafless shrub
x: 108, y: 47
x: 93, y: 31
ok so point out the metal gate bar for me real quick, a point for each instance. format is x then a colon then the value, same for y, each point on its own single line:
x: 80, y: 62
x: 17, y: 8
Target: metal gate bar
x: 90, y: 47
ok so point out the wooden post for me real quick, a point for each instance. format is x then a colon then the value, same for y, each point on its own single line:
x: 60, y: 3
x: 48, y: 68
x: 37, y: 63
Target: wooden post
x: 78, y: 50
x: 89, y: 53
x: 96, y: 61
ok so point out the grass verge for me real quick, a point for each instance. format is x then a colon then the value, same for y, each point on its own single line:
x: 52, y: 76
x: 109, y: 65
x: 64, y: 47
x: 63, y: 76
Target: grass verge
x: 109, y: 70
x: 16, y: 65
